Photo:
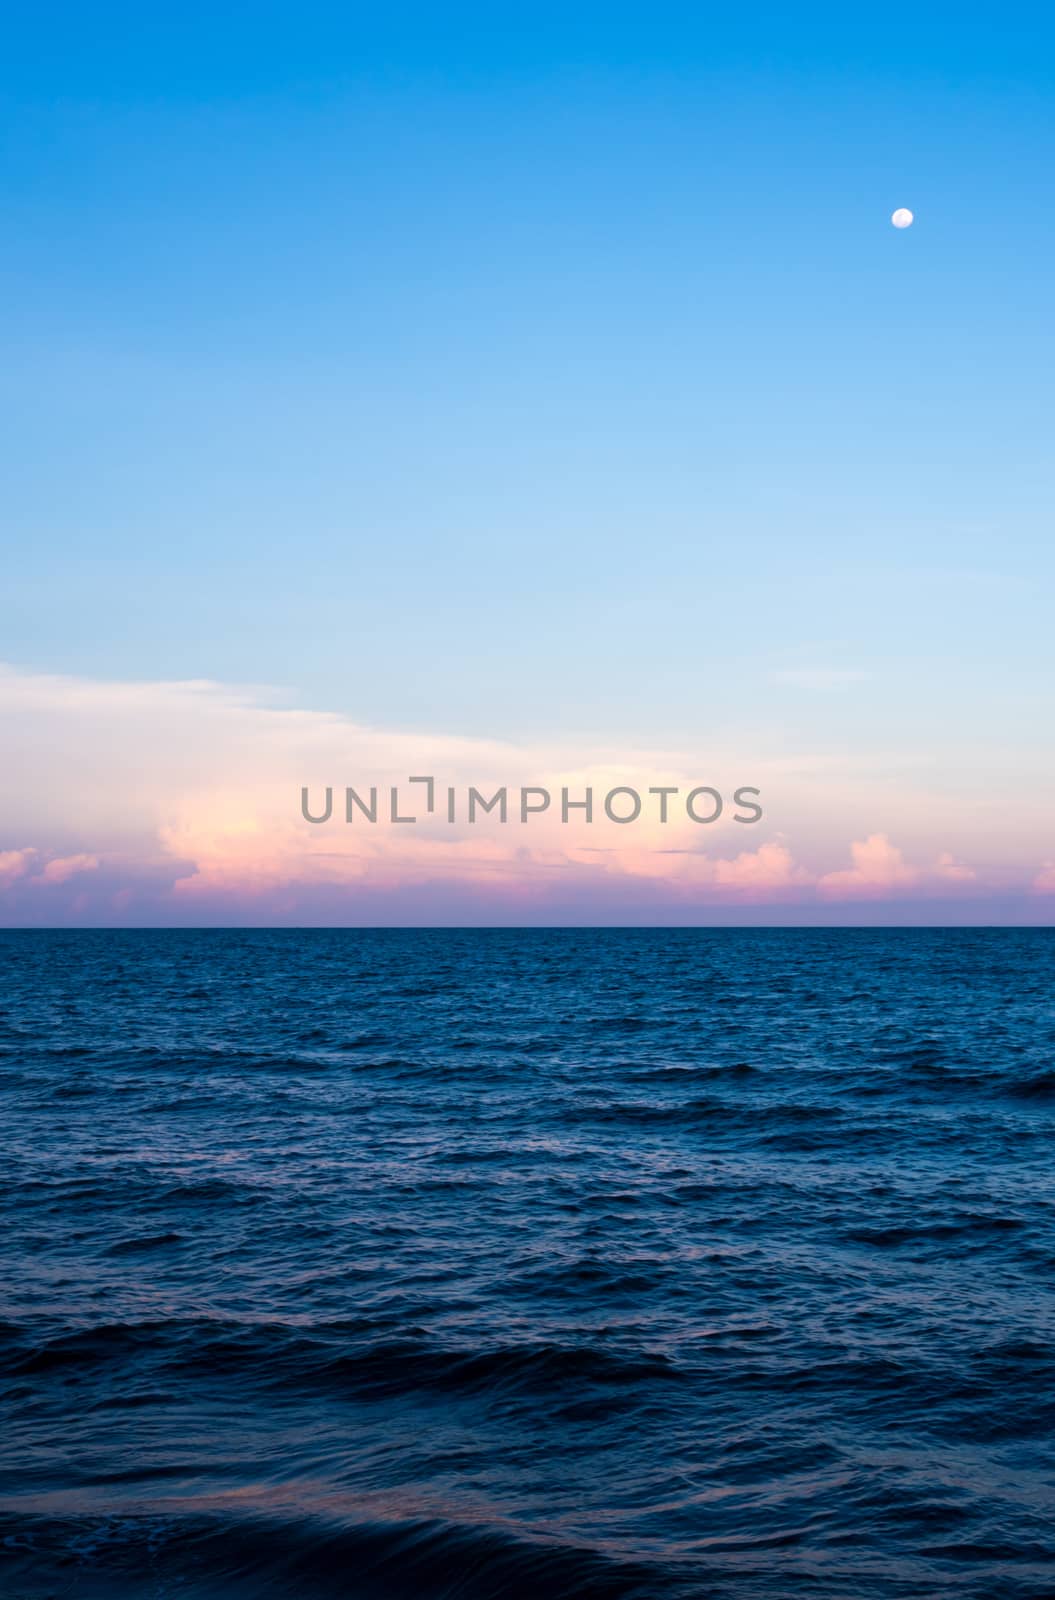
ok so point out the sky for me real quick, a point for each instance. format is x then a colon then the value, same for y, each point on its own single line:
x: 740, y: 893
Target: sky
x: 542, y: 390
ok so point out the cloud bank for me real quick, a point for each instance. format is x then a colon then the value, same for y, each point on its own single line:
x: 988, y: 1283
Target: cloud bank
x: 180, y: 803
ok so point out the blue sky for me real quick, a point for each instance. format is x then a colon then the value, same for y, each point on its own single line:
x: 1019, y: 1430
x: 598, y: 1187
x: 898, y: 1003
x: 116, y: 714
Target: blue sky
x: 539, y: 373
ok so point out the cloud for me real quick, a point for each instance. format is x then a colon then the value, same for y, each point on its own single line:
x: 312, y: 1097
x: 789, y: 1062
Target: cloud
x: 28, y: 863
x: 15, y: 864
x: 189, y: 794
x: 1044, y: 882
x: 763, y: 871
x: 63, y: 867
x: 186, y: 805
x: 878, y: 869
x: 952, y: 870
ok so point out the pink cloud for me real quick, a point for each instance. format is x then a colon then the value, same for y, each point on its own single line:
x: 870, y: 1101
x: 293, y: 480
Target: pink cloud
x: 770, y: 867
x: 23, y: 864
x: 878, y: 868
x: 15, y: 864
x: 952, y: 870
x: 63, y: 867
x: 197, y: 807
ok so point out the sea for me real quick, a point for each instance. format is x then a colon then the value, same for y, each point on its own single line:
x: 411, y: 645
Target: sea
x: 454, y: 1265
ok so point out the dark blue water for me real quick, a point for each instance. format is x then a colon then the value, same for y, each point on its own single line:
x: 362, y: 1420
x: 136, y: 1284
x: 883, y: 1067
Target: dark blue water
x: 548, y: 1264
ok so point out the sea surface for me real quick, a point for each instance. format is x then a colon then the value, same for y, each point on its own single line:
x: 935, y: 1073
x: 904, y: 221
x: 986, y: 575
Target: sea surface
x: 628, y: 1264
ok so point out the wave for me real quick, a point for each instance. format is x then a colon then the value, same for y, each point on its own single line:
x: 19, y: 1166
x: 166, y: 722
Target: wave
x: 213, y: 1557
x: 337, y: 1358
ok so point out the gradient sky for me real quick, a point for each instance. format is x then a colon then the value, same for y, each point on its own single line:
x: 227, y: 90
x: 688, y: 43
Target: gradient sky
x: 549, y: 377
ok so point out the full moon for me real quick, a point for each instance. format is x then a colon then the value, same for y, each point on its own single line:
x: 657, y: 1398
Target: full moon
x: 902, y: 217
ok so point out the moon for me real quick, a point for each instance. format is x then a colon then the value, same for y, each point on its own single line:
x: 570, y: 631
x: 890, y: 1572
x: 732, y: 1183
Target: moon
x: 902, y: 217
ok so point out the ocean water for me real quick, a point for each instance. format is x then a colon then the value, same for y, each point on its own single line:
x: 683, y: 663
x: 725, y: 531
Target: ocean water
x: 548, y: 1264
